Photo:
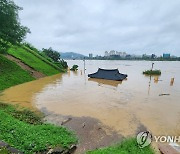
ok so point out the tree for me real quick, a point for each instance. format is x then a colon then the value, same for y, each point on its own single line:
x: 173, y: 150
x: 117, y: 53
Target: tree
x: 11, y: 30
x: 63, y: 64
x: 54, y: 55
x: 74, y: 68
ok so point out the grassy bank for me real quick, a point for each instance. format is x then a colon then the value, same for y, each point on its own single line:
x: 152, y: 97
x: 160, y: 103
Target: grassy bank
x: 25, y: 131
x: 12, y: 74
x: 44, y: 58
x: 35, y: 61
x: 128, y: 146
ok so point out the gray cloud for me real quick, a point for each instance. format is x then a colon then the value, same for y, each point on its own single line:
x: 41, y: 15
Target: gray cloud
x: 84, y: 26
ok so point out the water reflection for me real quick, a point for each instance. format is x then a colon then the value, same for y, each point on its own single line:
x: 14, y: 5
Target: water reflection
x: 75, y: 73
x: 105, y: 82
x: 156, y: 80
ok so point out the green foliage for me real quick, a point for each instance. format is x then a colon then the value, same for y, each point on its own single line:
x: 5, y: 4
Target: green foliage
x: 152, y: 72
x: 12, y: 74
x: 128, y: 146
x: 33, y: 61
x: 44, y: 58
x: 54, y: 55
x: 33, y: 138
x: 30, y: 46
x: 74, y: 68
x: 11, y: 31
x: 3, y: 46
x: 4, y: 150
x: 62, y: 64
x: 22, y: 114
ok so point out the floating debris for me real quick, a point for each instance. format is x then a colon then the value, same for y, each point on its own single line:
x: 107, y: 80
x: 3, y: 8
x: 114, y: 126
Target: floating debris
x: 172, y: 82
x: 83, y: 125
x: 65, y: 121
x: 164, y: 94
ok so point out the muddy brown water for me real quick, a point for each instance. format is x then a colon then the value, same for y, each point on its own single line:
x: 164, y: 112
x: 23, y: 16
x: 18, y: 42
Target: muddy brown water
x: 121, y: 108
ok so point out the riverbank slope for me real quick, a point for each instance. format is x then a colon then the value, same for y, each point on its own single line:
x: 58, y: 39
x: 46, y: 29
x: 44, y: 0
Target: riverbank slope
x: 21, y: 64
x: 21, y: 128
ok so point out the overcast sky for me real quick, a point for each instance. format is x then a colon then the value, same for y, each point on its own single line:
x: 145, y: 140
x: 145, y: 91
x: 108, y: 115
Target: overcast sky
x: 93, y: 26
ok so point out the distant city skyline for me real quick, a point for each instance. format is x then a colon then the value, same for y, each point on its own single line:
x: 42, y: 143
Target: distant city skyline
x: 124, y: 54
x: 136, y: 27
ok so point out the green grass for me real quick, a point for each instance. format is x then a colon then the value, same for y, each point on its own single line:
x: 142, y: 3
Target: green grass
x: 37, y: 63
x: 4, y: 151
x: 152, y: 72
x: 44, y: 58
x: 128, y: 146
x: 22, y: 114
x: 12, y: 74
x: 30, y: 138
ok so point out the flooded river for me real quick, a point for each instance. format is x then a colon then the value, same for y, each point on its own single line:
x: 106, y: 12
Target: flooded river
x: 121, y: 106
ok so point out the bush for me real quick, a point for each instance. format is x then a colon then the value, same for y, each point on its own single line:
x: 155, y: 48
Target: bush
x: 64, y: 64
x: 152, y: 72
x: 74, y: 68
x: 54, y: 55
x: 30, y: 46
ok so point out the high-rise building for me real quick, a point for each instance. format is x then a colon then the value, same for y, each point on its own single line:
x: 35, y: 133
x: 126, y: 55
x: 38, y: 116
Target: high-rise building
x: 112, y: 52
x: 106, y: 54
x: 90, y: 55
x: 166, y: 55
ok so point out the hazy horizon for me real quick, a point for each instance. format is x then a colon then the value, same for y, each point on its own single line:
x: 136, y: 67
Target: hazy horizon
x: 84, y: 27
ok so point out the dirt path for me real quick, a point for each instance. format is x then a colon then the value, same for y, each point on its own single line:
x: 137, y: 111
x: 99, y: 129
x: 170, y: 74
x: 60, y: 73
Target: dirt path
x: 24, y: 66
x: 91, y: 132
